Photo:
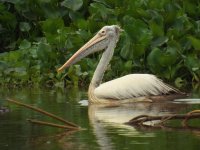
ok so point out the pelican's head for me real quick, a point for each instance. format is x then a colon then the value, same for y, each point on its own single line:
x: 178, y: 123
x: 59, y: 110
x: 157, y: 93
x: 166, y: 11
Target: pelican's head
x: 106, y: 36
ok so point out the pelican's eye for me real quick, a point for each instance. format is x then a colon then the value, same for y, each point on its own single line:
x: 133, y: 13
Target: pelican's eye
x: 103, y: 32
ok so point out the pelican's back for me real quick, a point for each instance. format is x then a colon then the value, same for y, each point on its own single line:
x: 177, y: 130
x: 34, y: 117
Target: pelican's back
x: 131, y: 86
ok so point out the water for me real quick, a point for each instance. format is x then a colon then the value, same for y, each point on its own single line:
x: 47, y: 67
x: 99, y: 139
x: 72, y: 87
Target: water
x: 104, y: 128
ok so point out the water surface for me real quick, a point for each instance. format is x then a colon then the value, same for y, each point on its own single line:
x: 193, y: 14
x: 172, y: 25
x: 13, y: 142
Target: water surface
x: 104, y: 128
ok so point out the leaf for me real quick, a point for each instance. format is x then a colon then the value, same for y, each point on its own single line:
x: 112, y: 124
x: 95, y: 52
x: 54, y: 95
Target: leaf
x: 179, y: 82
x: 126, y: 49
x: 68, y: 44
x: 25, y: 44
x: 161, y: 62
x: 171, y: 12
x: 195, y: 42
x: 82, y: 24
x: 44, y: 52
x: 100, y: 10
x: 3, y: 65
x: 135, y: 28
x: 156, y: 28
x: 128, y: 65
x: 50, y: 26
x: 159, y: 41
x: 7, y: 18
x: 190, y: 6
x: 169, y: 57
x: 138, y: 50
x: 153, y: 57
x: 24, y: 26
x: 75, y: 16
x: 72, y: 4
x: 20, y: 71
x: 192, y: 63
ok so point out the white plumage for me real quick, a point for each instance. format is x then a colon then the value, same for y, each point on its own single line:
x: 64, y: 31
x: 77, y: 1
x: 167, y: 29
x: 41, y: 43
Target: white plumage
x: 133, y: 85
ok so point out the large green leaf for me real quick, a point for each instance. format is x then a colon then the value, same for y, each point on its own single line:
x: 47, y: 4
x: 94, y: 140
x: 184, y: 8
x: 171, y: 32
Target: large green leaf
x: 153, y: 58
x: 72, y: 4
x: 25, y: 44
x: 168, y: 57
x: 137, y: 30
x: 100, y: 10
x: 44, y: 52
x: 50, y: 26
x: 126, y: 49
x: 158, y: 59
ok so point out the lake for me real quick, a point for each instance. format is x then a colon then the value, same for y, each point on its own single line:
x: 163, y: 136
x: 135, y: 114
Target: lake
x: 104, y: 127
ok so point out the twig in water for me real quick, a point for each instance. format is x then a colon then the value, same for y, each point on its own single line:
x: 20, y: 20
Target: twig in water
x: 50, y: 124
x: 68, y: 124
x: 188, y: 116
x: 140, y: 120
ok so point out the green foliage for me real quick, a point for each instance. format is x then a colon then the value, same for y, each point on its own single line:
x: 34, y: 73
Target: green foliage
x: 72, y: 4
x: 160, y: 37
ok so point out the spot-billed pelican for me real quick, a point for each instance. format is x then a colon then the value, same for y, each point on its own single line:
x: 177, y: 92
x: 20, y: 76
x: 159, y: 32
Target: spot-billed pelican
x: 129, y: 88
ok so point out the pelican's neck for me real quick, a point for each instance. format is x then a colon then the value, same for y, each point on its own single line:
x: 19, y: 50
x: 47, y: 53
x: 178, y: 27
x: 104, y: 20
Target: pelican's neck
x: 102, y: 66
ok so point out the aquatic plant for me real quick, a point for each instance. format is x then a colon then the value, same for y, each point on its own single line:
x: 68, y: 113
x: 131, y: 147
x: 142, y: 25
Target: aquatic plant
x: 160, y: 37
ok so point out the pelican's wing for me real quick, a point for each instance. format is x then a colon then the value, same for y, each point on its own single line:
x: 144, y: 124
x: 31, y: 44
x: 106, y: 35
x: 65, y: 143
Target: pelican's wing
x: 133, y: 85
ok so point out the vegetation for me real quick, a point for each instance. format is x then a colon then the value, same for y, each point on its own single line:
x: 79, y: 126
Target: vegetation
x: 37, y: 36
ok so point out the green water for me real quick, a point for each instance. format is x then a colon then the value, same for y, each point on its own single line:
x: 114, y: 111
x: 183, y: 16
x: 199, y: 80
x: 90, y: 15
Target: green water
x: 103, y: 125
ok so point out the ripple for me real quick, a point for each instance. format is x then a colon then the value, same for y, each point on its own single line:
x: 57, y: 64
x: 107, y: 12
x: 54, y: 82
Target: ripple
x: 188, y: 101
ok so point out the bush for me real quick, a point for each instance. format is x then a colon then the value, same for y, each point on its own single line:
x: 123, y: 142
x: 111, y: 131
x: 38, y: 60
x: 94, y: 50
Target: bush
x: 161, y: 37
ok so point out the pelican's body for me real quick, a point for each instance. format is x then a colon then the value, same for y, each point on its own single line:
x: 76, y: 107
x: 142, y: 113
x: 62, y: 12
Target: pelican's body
x: 130, y: 88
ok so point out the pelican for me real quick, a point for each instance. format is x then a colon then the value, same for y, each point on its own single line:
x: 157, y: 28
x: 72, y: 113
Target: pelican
x: 126, y: 89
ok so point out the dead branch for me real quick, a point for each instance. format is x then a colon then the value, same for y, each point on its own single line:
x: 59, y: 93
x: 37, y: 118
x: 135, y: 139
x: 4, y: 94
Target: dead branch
x: 68, y: 124
x: 185, y: 121
x: 149, y: 128
x: 51, y: 124
x: 140, y: 120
